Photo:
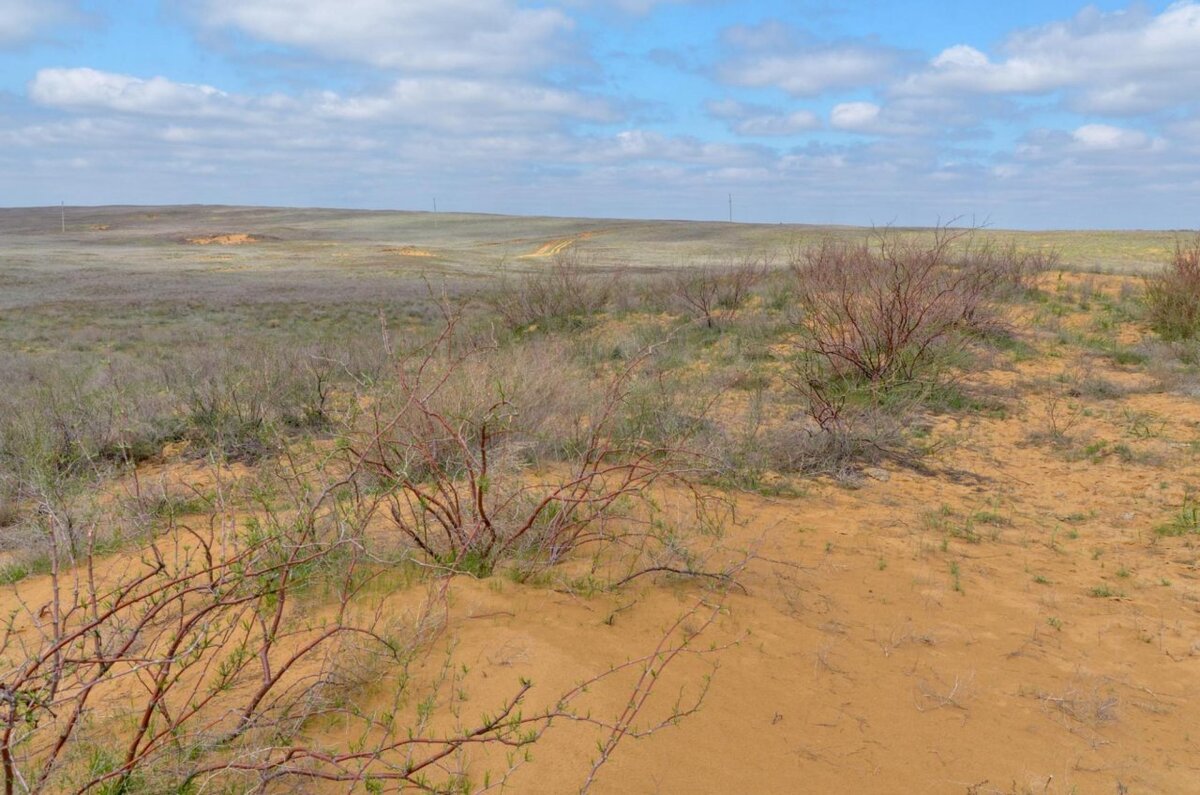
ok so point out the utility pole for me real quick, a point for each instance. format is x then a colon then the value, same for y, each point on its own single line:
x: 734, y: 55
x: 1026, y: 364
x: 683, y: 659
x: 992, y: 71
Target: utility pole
x: 731, y: 208
x: 435, y: 205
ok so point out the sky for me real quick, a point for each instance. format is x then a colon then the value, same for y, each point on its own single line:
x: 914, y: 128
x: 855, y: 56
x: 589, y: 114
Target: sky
x: 1014, y: 114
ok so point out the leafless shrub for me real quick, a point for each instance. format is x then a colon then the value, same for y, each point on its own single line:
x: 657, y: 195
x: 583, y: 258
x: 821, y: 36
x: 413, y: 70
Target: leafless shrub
x: 880, y: 321
x: 863, y: 436
x: 645, y: 291
x: 1173, y: 364
x: 566, y: 292
x: 707, y: 290
x: 1005, y: 272
x: 202, y: 663
x: 72, y: 417
x: 451, y: 448
x: 10, y: 513
x: 195, y: 632
x: 237, y: 400
x: 1060, y: 411
x: 1173, y: 294
x: 883, y: 313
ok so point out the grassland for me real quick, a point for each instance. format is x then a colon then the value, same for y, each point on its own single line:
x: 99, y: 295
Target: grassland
x: 328, y: 500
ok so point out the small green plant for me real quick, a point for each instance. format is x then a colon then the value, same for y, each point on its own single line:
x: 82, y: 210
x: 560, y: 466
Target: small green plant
x: 1055, y: 622
x: 1106, y: 591
x: 1186, y: 522
x: 1127, y: 356
x: 992, y: 518
x: 13, y: 572
x: 955, y: 574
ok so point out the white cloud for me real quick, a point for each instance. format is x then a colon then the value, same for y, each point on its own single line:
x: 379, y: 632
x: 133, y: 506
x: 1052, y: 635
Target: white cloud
x: 759, y: 121
x: 89, y: 88
x: 454, y: 101
x: 812, y: 72
x: 1106, y: 137
x: 855, y: 116
x: 433, y: 103
x: 467, y: 103
x: 773, y: 55
x: 488, y: 36
x: 782, y: 124
x: 867, y: 118
x: 648, y: 145
x: 1120, y: 62
x: 636, y: 7
x: 24, y: 20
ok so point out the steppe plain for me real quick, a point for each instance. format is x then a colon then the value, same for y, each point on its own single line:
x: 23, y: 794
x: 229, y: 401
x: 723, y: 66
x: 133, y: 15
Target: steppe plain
x: 1008, y: 601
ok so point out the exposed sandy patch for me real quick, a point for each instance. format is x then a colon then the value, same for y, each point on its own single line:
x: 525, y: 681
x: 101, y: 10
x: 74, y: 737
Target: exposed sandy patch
x: 552, y: 247
x: 409, y: 251
x: 231, y: 239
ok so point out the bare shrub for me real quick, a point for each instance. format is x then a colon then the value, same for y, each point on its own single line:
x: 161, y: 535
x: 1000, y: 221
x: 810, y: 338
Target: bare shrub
x: 707, y: 290
x: 71, y: 417
x: 476, y: 472
x: 564, y: 293
x: 10, y: 513
x: 881, y: 323
x: 883, y: 313
x: 1174, y: 364
x: 645, y: 291
x: 1173, y: 295
x: 238, y: 399
x: 1005, y: 272
x: 845, y: 428
x: 194, y: 632
x: 202, y: 663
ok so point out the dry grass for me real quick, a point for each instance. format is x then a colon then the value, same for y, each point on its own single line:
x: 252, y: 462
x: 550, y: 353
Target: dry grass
x: 462, y: 505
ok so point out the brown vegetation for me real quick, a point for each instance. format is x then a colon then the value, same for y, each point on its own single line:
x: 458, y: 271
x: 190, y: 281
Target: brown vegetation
x: 493, y: 539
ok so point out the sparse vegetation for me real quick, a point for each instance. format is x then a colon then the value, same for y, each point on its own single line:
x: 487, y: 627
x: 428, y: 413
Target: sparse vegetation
x: 566, y: 292
x: 356, y: 526
x: 1173, y: 294
x: 1185, y: 522
x: 706, y: 290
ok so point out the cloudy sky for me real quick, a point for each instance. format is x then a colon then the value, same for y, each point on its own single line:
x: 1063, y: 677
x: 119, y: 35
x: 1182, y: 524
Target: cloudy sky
x: 1029, y: 114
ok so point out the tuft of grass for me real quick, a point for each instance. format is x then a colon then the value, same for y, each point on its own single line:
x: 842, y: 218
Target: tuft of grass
x: 1185, y: 522
x: 956, y: 576
x: 13, y: 572
x: 30, y: 565
x: 1173, y: 295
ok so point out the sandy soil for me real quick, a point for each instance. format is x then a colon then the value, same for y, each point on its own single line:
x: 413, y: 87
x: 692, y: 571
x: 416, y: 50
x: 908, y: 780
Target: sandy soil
x: 1004, y: 621
x: 1008, y: 622
x: 553, y: 247
x: 409, y: 251
x: 231, y: 239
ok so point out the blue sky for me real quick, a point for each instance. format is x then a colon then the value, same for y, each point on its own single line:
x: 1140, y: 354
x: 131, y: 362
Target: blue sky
x: 1021, y: 114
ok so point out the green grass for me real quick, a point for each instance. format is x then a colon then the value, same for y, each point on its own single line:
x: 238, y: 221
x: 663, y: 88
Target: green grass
x: 1185, y: 522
